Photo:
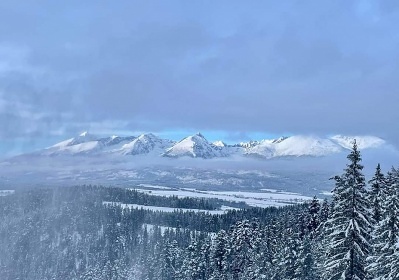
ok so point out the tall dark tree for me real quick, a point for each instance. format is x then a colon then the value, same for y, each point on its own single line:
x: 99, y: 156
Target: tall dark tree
x: 349, y: 224
x: 306, y: 264
x: 377, y: 194
x: 314, y: 217
x: 385, y: 256
x: 220, y: 256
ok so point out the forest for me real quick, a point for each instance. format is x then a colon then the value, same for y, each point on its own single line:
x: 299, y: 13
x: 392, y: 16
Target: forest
x: 70, y: 233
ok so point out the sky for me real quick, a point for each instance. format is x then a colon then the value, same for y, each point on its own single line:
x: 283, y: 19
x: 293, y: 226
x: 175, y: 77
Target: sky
x: 231, y: 69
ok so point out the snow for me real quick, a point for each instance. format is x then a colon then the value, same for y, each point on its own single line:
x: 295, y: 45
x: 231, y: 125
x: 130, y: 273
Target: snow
x: 256, y: 199
x: 74, y: 145
x: 294, y: 146
x: 305, y: 145
x: 193, y: 146
x: 144, y: 144
x: 84, y: 147
x: 363, y: 142
x: 154, y: 186
x: 278, y: 196
x: 62, y: 144
x: 278, y: 191
x: 6, y: 192
x: 219, y: 144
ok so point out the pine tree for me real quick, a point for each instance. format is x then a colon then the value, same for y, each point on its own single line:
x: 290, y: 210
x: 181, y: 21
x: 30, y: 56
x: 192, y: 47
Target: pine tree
x: 306, y: 265
x: 324, y: 211
x: 314, y: 217
x: 377, y: 194
x: 290, y: 263
x: 349, y: 224
x: 220, y: 256
x: 244, y: 239
x: 386, y: 234
x: 192, y: 262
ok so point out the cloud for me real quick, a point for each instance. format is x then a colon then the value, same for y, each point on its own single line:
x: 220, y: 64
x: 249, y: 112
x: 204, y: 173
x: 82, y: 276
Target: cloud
x: 280, y: 67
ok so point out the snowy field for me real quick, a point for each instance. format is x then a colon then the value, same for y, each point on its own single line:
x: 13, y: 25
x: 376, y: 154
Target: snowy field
x: 6, y: 192
x: 266, y: 198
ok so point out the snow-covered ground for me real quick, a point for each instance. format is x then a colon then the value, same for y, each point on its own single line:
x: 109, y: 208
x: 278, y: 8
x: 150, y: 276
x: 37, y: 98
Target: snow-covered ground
x: 256, y: 199
x: 6, y: 192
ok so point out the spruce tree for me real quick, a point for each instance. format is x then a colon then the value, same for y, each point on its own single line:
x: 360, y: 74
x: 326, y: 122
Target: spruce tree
x: 314, y: 217
x: 220, y: 256
x: 306, y: 265
x: 377, y: 194
x: 384, y: 261
x: 349, y: 232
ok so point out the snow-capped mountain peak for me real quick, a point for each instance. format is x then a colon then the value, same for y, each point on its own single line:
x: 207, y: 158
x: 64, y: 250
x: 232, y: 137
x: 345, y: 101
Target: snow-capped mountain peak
x: 279, y: 140
x: 193, y: 146
x: 144, y: 144
x: 197, y: 146
x: 219, y: 144
x: 80, y: 139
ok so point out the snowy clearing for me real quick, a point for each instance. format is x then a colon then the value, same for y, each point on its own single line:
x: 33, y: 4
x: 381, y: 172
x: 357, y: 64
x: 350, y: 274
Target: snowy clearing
x: 256, y: 199
x: 6, y: 192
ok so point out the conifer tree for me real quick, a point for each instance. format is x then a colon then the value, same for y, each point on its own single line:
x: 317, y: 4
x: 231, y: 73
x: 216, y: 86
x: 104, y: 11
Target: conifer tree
x: 382, y: 264
x: 377, y: 194
x: 220, y: 256
x: 306, y: 265
x: 314, y: 216
x: 349, y: 237
x: 324, y: 211
x: 192, y: 262
x: 290, y: 263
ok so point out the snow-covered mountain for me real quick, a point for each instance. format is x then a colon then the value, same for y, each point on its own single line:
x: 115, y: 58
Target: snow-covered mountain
x: 82, y: 144
x: 197, y: 146
x: 145, y: 144
x: 294, y: 146
x: 363, y: 142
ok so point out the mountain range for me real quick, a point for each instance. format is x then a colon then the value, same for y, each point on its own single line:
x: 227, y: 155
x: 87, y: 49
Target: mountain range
x: 197, y: 146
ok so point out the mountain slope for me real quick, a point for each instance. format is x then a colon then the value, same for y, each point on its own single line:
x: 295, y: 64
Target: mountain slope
x: 195, y: 146
x: 363, y: 142
x: 145, y: 144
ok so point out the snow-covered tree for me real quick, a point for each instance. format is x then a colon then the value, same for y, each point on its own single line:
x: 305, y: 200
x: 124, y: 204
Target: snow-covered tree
x: 377, y: 194
x: 306, y: 266
x: 244, y: 245
x: 385, y: 258
x: 192, y: 262
x: 349, y: 232
x: 314, y: 216
x: 220, y: 256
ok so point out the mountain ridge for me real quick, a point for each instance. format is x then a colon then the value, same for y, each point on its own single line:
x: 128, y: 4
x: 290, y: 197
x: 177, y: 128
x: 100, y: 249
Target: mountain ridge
x: 197, y: 146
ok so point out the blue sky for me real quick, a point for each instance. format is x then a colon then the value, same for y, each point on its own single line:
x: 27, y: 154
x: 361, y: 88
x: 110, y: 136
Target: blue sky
x: 230, y: 69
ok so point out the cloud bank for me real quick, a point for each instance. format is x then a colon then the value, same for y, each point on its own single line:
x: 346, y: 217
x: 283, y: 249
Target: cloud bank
x: 283, y: 67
